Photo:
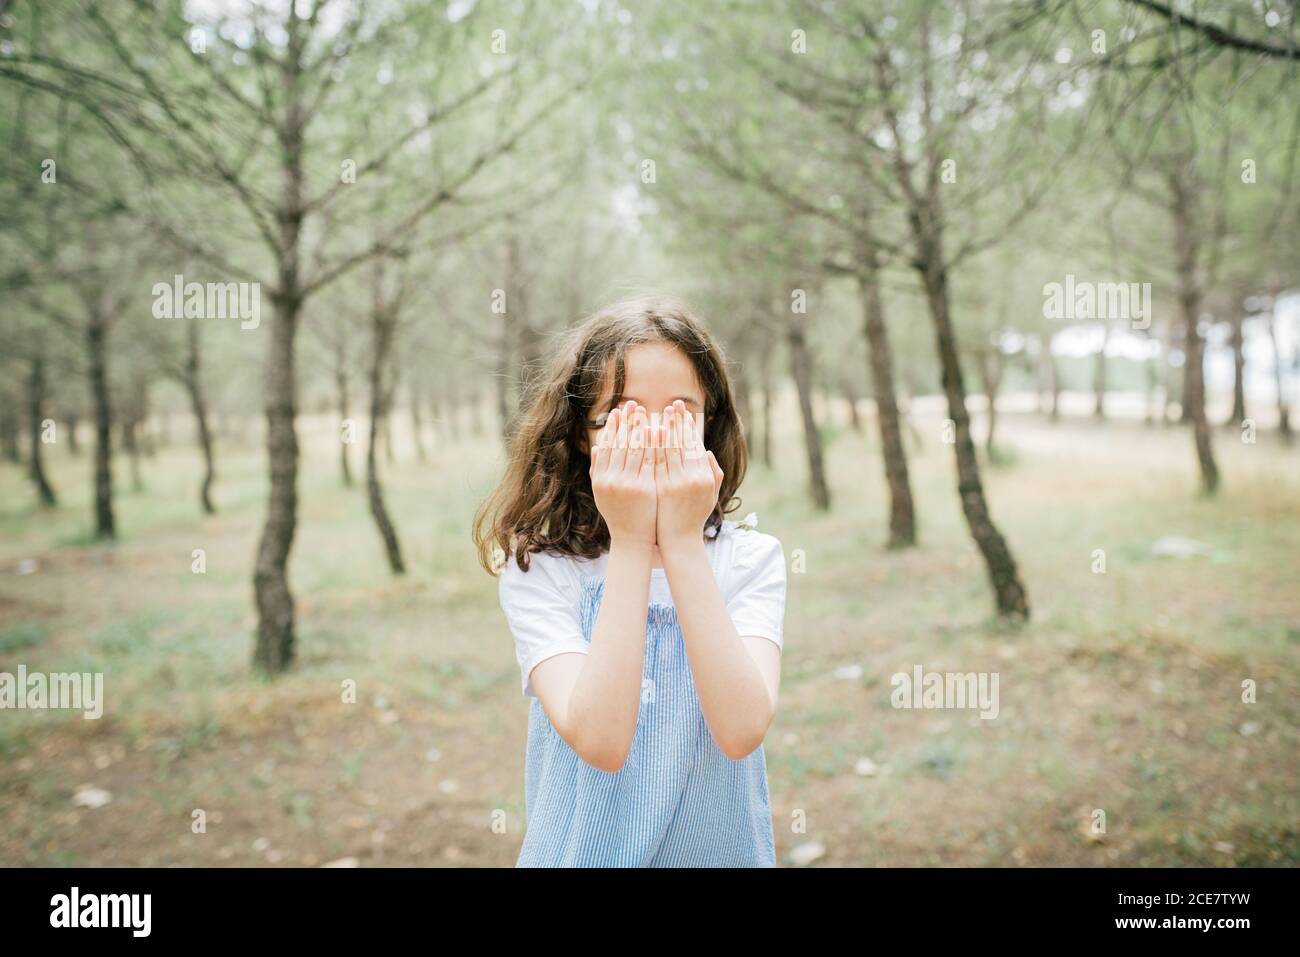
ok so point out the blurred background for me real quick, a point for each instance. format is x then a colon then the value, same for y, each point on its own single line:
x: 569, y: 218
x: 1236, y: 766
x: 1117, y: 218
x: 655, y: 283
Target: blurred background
x: 1009, y: 292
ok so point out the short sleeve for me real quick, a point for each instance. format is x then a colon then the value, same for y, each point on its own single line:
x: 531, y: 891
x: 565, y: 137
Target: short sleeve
x: 541, y: 607
x: 756, y: 585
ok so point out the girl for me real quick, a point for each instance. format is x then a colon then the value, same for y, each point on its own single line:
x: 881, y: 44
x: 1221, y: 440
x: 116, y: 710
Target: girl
x: 648, y: 628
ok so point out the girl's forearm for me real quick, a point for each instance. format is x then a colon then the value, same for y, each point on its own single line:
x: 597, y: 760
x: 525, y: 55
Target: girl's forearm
x: 606, y: 696
x: 733, y: 697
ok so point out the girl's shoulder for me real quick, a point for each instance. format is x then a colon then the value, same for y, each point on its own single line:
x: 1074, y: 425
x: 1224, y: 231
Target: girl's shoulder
x: 743, y: 549
x: 555, y: 568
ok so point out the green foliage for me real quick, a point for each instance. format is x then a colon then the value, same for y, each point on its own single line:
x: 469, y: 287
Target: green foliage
x: 22, y: 635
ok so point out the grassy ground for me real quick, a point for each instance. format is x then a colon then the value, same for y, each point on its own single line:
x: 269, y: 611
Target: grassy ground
x: 1123, y: 694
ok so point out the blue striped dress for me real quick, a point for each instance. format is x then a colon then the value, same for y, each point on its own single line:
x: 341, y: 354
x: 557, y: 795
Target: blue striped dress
x: 678, y: 801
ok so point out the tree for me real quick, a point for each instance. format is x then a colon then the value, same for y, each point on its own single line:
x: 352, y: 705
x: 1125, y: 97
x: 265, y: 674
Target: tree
x: 252, y: 108
x: 1190, y: 128
x: 752, y: 131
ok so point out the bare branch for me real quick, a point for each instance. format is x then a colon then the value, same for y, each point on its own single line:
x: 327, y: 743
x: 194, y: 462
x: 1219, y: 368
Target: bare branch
x: 1217, y: 34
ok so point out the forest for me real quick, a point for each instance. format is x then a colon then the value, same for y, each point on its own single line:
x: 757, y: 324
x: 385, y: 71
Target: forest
x: 1009, y: 291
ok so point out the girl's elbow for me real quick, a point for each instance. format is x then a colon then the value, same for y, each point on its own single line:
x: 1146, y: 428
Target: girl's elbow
x: 601, y: 755
x: 611, y: 762
x: 735, y: 751
x: 742, y: 746
x: 742, y: 750
x: 593, y: 743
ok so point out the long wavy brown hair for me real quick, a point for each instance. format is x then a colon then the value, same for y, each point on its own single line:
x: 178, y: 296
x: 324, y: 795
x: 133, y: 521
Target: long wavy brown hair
x: 544, y: 501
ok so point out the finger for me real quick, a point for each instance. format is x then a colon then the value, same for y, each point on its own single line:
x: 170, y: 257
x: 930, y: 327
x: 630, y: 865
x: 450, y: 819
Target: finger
x: 677, y: 460
x: 669, y: 440
x: 636, y: 442
x: 694, y: 437
x: 661, y: 454
x: 647, y: 472
x: 606, y: 434
x: 600, y: 454
x: 618, y: 455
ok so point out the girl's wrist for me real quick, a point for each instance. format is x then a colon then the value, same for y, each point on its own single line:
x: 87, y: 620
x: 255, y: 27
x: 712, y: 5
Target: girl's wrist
x: 631, y: 545
x: 681, y: 545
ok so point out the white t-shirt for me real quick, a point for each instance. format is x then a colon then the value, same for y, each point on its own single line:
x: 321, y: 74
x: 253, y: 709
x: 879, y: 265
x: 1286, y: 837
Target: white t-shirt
x: 541, y: 605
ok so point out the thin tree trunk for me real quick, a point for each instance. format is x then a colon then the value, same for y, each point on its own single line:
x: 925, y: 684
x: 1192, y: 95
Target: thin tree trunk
x: 417, y: 425
x: 199, y: 406
x: 1166, y: 415
x: 990, y: 360
x: 386, y: 426
x: 1238, y: 369
x: 851, y: 400
x: 345, y: 411
x: 523, y: 346
x: 1188, y: 244
x: 1012, y: 601
x: 382, y: 325
x: 744, y: 401
x: 275, y: 651
x: 925, y: 220
x: 1194, y: 396
x: 902, y: 513
x: 765, y: 368
x: 145, y: 431
x: 503, y: 390
x: 1153, y: 386
x: 801, y: 369
x: 1053, y: 384
x: 9, y: 434
x: 74, y: 446
x: 97, y: 355
x: 130, y: 443
x: 1039, y: 372
x: 1099, y: 376
x: 275, y: 632
x: 1279, y: 381
x: 35, y: 406
x: 1184, y: 410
